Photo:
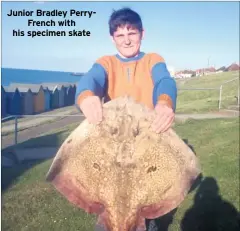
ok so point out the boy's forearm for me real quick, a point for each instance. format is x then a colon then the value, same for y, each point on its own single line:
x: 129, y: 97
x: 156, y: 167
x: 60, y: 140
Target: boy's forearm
x: 83, y: 95
x: 165, y: 99
x: 166, y: 92
x: 92, y: 83
x: 165, y: 89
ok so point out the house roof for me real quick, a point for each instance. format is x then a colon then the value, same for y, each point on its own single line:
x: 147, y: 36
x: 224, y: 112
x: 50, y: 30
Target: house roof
x: 233, y: 67
x: 209, y: 69
x: 185, y: 72
x: 2, y: 88
x: 10, y: 92
x: 223, y: 68
x: 25, y: 87
x: 51, y: 86
x: 10, y: 89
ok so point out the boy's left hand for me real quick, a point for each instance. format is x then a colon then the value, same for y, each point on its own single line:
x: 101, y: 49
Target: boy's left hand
x: 164, y: 119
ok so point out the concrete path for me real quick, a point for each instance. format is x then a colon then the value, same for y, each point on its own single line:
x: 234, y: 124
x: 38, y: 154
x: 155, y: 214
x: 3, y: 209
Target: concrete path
x: 39, y: 130
x: 35, y: 126
x: 223, y: 114
x: 35, y: 120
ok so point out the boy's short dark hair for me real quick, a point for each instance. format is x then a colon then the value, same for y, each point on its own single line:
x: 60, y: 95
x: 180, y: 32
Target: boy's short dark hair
x: 122, y: 17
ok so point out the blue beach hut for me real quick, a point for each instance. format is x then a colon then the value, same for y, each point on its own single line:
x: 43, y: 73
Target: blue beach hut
x: 68, y: 97
x: 3, y: 102
x: 41, y: 96
x: 47, y: 95
x: 13, y: 101
x: 54, y: 98
x: 73, y: 94
x: 62, y: 92
x: 27, y: 101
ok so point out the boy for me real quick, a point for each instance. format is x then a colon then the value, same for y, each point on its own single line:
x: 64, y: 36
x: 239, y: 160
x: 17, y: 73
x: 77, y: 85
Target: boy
x: 131, y: 72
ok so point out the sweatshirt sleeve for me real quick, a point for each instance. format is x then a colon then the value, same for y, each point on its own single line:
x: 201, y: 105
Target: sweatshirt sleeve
x: 91, y: 84
x: 165, y: 88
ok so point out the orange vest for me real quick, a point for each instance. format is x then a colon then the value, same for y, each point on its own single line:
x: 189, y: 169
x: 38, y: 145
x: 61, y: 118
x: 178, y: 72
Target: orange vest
x: 132, y: 77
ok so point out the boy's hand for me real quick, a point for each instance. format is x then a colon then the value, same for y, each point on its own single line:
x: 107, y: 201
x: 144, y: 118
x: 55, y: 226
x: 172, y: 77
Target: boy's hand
x: 92, y: 109
x: 164, y: 119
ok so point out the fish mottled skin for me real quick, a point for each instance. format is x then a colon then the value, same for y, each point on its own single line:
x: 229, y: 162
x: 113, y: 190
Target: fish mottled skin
x: 123, y: 171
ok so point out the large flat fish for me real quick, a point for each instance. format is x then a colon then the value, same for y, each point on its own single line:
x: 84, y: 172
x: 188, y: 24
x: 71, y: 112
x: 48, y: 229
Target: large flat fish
x: 123, y: 171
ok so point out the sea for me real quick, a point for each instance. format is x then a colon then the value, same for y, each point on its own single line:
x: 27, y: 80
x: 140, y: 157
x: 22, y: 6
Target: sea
x: 12, y: 75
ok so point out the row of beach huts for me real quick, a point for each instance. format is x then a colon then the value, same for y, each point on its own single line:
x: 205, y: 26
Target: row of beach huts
x: 30, y: 99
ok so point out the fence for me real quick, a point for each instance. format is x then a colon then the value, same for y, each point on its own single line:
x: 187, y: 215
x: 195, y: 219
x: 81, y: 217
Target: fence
x: 221, y: 91
x: 217, y: 89
x: 16, y: 118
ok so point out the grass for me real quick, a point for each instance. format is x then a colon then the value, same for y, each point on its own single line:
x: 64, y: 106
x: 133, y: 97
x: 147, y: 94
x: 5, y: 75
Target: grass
x: 198, y: 101
x: 30, y: 203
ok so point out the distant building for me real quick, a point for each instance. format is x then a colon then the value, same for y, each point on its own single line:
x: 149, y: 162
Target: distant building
x: 47, y: 96
x: 27, y: 97
x: 13, y: 101
x: 3, y: 102
x: 62, y: 93
x: 27, y: 101
x: 70, y: 95
x: 185, y: 74
x: 233, y: 67
x: 39, y: 99
x: 58, y: 93
x: 205, y: 71
x: 54, y: 100
x: 221, y: 69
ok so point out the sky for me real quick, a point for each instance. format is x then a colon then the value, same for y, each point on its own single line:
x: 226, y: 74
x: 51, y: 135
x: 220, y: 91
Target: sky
x: 188, y: 35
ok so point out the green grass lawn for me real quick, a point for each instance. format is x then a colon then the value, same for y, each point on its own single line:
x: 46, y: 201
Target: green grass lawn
x: 195, y: 101
x: 30, y: 203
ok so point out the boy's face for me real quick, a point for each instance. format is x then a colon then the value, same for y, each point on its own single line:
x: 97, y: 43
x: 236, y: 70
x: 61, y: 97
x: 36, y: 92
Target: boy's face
x: 127, y: 41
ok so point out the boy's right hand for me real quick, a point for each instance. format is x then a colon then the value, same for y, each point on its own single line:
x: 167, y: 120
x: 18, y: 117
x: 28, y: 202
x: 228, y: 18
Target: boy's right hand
x: 92, y: 109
